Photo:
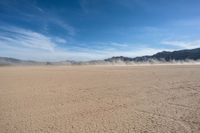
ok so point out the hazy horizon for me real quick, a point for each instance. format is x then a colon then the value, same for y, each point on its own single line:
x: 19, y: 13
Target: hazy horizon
x: 96, y: 29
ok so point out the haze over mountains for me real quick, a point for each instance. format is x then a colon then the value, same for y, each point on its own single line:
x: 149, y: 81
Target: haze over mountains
x: 162, y: 57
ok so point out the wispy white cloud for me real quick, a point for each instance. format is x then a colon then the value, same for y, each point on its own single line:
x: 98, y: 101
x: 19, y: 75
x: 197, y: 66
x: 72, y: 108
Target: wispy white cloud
x: 27, y: 44
x: 26, y: 38
x: 183, y: 44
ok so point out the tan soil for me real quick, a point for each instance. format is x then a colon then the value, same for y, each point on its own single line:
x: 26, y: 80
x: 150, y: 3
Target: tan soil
x: 90, y: 99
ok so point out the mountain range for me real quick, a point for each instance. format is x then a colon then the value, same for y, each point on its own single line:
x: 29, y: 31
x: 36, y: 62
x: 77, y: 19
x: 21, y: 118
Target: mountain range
x: 165, y: 56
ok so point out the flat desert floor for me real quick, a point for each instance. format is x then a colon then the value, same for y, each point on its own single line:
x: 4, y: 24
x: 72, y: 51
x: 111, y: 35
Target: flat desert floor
x: 98, y: 99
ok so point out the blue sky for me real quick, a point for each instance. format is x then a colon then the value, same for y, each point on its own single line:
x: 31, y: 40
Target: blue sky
x: 96, y: 29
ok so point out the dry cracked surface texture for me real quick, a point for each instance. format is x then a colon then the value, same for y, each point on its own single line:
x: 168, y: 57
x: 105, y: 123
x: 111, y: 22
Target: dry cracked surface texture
x: 100, y: 99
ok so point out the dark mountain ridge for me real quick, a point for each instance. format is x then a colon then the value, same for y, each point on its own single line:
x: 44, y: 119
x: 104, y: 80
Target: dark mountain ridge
x: 181, y: 55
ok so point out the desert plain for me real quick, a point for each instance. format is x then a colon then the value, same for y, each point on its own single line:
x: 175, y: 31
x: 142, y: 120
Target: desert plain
x: 100, y: 99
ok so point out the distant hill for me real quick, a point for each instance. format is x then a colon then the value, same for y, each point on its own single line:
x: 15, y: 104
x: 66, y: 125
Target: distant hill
x: 6, y: 61
x: 181, y: 55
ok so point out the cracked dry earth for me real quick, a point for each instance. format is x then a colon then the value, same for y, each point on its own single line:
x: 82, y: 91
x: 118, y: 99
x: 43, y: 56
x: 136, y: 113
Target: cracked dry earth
x: 98, y: 99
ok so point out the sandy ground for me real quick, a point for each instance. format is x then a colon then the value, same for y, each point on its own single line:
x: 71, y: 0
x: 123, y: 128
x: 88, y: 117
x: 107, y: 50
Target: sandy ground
x: 90, y: 99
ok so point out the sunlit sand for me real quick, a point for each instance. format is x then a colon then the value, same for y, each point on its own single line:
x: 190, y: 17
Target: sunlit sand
x: 100, y: 99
